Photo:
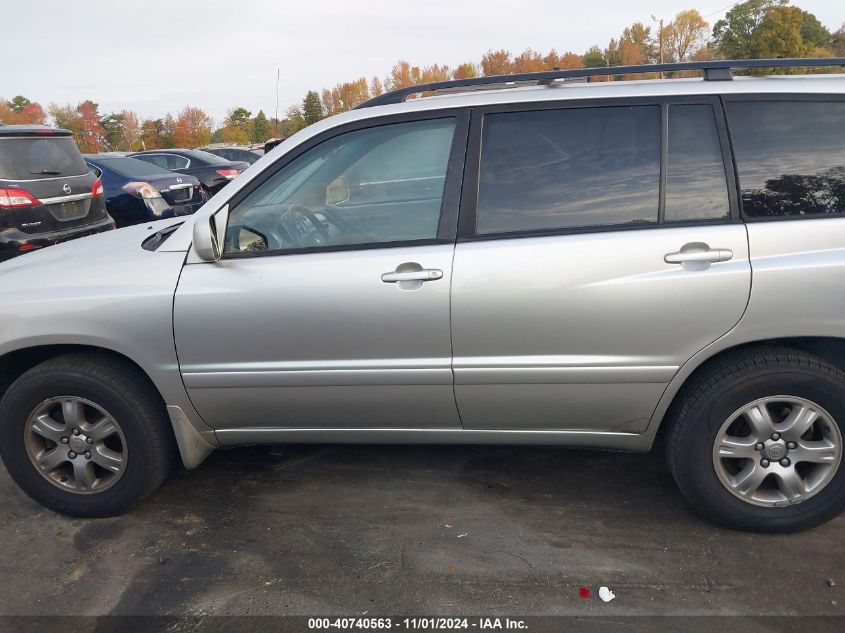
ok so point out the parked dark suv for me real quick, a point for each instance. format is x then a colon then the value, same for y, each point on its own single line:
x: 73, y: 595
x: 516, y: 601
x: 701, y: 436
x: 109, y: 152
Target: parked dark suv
x: 47, y: 194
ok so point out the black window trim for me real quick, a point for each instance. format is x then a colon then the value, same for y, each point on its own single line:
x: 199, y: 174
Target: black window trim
x: 778, y: 97
x: 469, y: 201
x: 448, y: 222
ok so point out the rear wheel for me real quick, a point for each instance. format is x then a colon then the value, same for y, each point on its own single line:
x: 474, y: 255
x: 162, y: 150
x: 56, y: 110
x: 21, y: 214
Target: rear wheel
x: 85, y: 435
x: 757, y: 441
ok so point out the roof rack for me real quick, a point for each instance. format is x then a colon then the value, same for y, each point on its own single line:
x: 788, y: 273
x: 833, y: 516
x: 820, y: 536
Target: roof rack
x: 714, y: 70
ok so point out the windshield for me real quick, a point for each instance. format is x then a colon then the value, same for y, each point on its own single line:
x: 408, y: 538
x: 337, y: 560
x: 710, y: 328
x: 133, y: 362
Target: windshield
x: 133, y: 168
x: 37, y: 158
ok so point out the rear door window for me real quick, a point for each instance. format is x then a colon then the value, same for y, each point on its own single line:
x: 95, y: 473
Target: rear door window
x: 569, y: 168
x: 790, y: 157
x: 33, y: 158
x: 696, y: 184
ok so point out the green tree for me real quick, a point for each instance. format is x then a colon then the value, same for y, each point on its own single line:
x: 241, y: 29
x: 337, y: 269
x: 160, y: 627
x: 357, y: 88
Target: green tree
x: 237, y: 126
x: 312, y: 109
x: 734, y: 35
x: 594, y: 57
x: 814, y: 32
x: 19, y: 103
x: 779, y: 34
x: 260, y: 128
x: 237, y: 117
x: 112, y: 125
x: 292, y: 123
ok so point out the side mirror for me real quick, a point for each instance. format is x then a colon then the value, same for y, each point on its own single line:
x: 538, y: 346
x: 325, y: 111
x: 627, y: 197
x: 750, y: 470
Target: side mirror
x: 209, y: 235
x: 244, y: 239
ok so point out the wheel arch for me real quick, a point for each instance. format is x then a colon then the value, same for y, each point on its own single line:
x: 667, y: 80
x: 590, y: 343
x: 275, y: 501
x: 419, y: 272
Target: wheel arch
x: 830, y: 349
x: 194, y: 443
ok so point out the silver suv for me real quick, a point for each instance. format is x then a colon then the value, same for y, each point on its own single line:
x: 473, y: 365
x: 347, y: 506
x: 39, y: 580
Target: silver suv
x: 550, y: 262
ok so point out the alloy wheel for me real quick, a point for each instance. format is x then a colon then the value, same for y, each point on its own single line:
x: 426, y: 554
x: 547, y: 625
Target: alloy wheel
x: 75, y: 444
x: 777, y: 451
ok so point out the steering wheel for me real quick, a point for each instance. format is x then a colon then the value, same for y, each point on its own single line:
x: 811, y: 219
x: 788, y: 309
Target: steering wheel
x: 302, y: 227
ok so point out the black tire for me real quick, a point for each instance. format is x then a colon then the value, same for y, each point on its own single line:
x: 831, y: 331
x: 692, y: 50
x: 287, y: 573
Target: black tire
x: 121, y: 390
x: 708, y: 401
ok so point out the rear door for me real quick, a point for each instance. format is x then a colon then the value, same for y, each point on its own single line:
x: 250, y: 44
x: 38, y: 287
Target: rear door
x: 599, y: 249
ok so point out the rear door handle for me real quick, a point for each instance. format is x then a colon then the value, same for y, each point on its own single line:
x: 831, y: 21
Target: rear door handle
x: 426, y: 274
x: 708, y: 256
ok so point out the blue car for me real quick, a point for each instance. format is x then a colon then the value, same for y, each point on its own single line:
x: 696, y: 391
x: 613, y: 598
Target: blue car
x: 137, y: 191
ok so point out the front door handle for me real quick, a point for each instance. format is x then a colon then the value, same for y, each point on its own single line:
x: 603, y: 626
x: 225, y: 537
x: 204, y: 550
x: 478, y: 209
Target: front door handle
x: 710, y: 256
x: 426, y: 274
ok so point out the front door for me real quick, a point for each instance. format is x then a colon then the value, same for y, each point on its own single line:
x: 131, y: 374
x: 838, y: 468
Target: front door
x: 330, y: 307
x: 604, y: 251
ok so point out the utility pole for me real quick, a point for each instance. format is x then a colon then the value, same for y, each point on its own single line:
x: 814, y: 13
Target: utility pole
x: 276, y: 120
x: 659, y: 38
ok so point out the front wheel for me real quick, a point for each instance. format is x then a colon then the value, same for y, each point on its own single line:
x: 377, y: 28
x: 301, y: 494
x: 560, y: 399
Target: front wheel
x: 85, y: 435
x: 756, y: 442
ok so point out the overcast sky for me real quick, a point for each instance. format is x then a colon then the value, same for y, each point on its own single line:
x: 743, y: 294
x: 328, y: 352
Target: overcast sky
x: 156, y: 56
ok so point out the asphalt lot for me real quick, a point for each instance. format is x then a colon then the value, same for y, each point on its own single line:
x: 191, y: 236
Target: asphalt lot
x: 437, y: 530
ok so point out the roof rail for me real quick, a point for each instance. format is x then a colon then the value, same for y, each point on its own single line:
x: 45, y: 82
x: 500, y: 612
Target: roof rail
x: 714, y: 70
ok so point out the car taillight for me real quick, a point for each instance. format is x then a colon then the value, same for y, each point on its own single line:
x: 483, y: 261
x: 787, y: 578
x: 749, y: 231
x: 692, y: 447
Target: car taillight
x: 142, y: 190
x: 228, y: 173
x: 97, y: 188
x: 13, y: 198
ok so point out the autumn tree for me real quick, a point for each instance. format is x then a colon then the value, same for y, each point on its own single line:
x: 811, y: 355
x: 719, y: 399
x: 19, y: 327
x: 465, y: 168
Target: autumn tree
x: 839, y: 42
x: 84, y: 122
x: 376, y: 87
x: 312, y: 109
x: 21, y: 111
x: 528, y: 61
x: 402, y: 75
x: 344, y: 97
x: 637, y: 46
x: 684, y: 35
x: 467, y: 70
x: 496, y: 63
x: 570, y: 61
x: 94, y: 136
x: 150, y: 134
x: 192, y: 128
x: 31, y: 113
x: 435, y: 72
x: 7, y: 115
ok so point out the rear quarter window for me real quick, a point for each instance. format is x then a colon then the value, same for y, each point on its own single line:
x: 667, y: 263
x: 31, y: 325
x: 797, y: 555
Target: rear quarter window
x: 33, y: 158
x: 790, y: 157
